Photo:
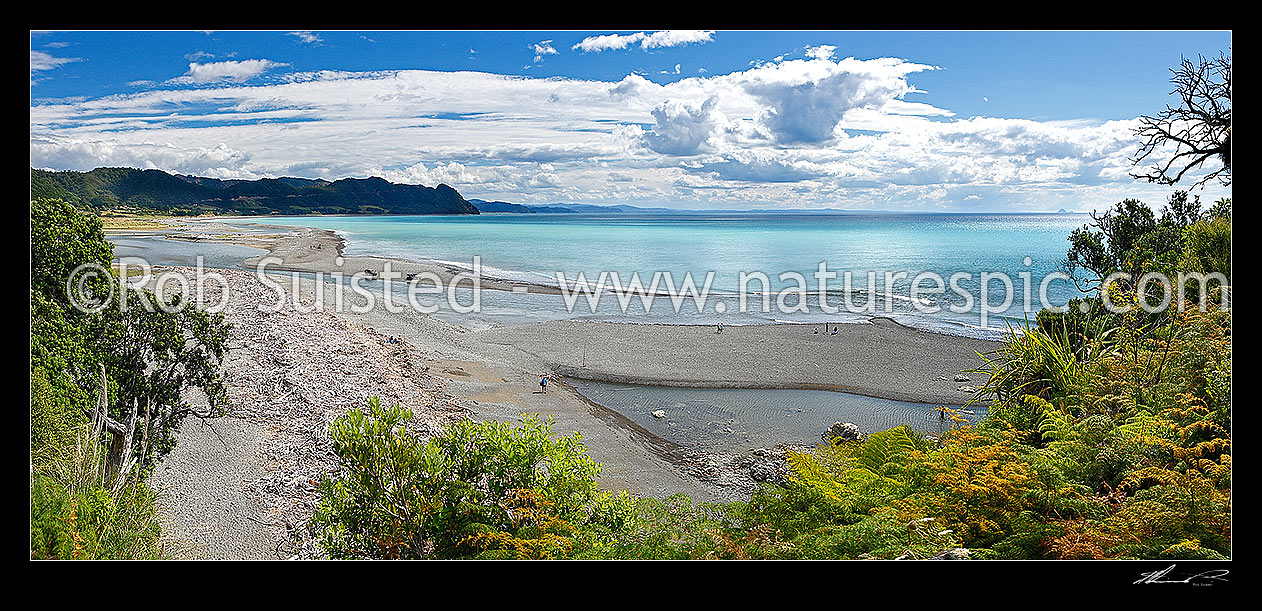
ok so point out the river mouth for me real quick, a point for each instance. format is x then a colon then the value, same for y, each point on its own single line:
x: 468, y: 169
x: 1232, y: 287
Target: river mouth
x: 739, y: 420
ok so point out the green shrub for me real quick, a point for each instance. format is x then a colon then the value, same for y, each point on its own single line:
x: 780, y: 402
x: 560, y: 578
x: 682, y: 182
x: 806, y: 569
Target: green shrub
x: 476, y: 490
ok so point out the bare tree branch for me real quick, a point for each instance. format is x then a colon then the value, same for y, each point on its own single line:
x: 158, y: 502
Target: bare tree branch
x: 1199, y: 130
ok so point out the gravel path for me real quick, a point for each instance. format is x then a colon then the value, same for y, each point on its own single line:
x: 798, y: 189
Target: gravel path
x: 204, y: 506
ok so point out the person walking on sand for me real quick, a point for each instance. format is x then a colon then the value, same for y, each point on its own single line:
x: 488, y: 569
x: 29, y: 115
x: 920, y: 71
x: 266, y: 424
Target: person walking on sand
x: 543, y: 385
x: 720, y: 326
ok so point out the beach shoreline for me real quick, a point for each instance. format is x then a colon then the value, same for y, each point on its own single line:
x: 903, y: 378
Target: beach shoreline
x: 879, y: 357
x: 322, y: 251
x: 492, y: 374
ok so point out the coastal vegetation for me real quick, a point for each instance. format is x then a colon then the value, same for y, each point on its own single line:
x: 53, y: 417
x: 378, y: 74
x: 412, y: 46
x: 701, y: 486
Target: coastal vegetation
x: 109, y: 387
x: 479, y: 490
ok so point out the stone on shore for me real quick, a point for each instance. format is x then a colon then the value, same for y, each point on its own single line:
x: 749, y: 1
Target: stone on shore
x: 844, y: 431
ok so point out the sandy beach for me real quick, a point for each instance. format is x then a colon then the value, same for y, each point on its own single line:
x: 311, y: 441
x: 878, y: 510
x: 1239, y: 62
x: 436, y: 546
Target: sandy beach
x: 878, y: 359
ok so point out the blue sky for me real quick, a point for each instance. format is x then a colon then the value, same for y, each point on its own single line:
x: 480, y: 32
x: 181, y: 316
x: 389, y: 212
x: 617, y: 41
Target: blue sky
x: 697, y: 119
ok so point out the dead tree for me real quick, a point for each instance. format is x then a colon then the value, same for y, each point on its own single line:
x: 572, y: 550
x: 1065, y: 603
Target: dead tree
x: 121, y: 456
x: 1199, y: 130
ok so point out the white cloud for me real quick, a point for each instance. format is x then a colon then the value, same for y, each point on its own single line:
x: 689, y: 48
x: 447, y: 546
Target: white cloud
x: 607, y: 42
x: 635, y: 86
x: 675, y: 38
x: 307, y: 37
x: 806, y: 99
x: 227, y: 71
x: 41, y: 61
x: 667, y: 38
x: 218, y: 161
x: 682, y: 128
x: 760, y: 167
x: 451, y: 173
x: 821, y: 52
x: 542, y: 49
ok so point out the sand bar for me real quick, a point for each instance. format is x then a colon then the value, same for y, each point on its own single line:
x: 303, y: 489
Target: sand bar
x: 880, y: 359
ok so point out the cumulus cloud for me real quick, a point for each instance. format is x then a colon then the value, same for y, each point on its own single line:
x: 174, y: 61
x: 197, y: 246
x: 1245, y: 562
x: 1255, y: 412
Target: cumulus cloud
x: 226, y: 71
x: 758, y: 166
x: 635, y: 86
x: 682, y: 128
x: 607, y: 42
x: 805, y: 99
x: 667, y: 38
x: 821, y: 52
x: 450, y: 173
x: 219, y: 161
x: 676, y: 38
x: 787, y: 103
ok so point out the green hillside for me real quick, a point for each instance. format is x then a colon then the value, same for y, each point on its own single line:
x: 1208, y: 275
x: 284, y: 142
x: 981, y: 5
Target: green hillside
x: 155, y: 191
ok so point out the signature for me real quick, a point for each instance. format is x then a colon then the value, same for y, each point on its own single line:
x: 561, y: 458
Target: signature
x: 1201, y: 578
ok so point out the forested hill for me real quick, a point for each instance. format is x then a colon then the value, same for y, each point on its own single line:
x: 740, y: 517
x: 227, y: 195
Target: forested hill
x: 158, y: 191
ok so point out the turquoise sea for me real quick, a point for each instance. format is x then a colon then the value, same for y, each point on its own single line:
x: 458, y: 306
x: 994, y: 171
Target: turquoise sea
x: 536, y: 247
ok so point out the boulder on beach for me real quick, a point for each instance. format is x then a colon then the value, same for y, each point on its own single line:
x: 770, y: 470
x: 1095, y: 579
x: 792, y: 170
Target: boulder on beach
x: 843, y: 431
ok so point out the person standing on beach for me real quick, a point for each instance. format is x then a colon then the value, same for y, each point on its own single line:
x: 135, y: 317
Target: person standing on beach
x: 543, y: 385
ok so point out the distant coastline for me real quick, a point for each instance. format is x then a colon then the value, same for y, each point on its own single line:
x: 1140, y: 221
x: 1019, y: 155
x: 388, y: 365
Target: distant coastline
x: 157, y: 192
